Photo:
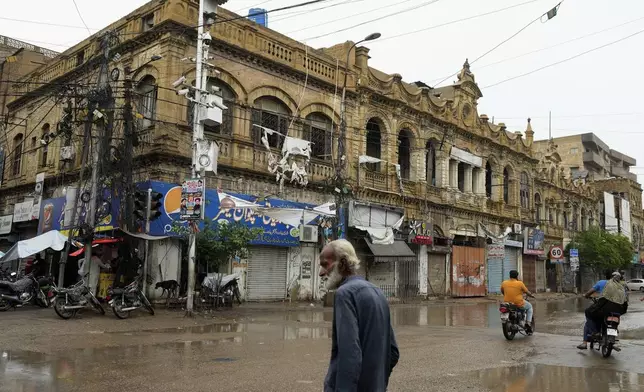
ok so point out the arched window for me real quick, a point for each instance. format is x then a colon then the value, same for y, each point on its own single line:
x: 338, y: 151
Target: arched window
x: 506, y: 185
x: 525, y: 190
x: 272, y: 114
x: 228, y: 97
x: 565, y: 219
x: 404, y: 153
x: 575, y: 217
x: 319, y: 131
x: 488, y: 180
x: 44, y: 150
x: 17, y: 154
x: 146, y: 102
x: 537, y: 207
x: 373, y: 143
x: 430, y: 162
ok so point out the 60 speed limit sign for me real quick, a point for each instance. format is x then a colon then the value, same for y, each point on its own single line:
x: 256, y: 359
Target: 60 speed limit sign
x: 556, y: 252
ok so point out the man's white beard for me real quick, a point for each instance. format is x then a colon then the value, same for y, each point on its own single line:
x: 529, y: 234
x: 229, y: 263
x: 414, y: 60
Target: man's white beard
x: 334, y: 279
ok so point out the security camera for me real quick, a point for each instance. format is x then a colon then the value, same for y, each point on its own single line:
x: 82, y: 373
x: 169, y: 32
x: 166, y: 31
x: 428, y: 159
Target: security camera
x: 179, y: 81
x: 216, y: 103
x: 183, y: 91
x: 207, y: 38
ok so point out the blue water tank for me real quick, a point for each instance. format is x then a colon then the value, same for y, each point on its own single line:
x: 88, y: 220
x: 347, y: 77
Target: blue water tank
x: 259, y: 16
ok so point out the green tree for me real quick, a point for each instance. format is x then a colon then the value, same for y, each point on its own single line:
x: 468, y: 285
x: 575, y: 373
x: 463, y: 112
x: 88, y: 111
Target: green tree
x: 219, y: 242
x: 601, y: 250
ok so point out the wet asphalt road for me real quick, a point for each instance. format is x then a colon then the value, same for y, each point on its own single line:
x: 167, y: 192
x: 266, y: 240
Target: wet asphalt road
x: 456, y: 347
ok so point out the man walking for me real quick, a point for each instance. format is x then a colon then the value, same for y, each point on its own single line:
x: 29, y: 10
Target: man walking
x: 364, y: 349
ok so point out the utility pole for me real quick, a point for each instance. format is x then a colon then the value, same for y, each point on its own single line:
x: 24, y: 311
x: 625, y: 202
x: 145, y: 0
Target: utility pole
x: 128, y: 147
x: 340, y: 167
x: 148, y: 209
x: 550, y: 125
x: 197, y: 135
x: 105, y: 100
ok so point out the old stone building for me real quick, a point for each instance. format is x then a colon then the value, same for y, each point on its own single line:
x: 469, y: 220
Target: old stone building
x: 441, y: 200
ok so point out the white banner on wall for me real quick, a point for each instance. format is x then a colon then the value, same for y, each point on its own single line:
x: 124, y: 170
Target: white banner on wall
x: 22, y: 211
x: 625, y: 215
x: 466, y: 157
x: 610, y: 217
x: 5, y: 224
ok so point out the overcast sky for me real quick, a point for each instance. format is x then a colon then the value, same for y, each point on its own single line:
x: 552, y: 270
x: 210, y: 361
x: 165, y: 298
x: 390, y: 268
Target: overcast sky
x: 597, y: 92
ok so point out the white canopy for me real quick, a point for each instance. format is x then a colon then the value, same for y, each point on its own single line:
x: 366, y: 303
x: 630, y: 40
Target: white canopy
x: 51, y: 239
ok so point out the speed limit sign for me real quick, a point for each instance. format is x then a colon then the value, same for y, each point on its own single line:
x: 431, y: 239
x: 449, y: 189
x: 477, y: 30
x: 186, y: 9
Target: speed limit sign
x: 556, y: 253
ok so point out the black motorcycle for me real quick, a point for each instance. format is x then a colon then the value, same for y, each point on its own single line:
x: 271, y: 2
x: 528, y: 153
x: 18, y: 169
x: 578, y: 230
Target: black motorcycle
x: 513, y: 321
x: 125, y: 300
x: 24, y: 291
x: 230, y: 292
x: 606, y: 339
x: 72, y: 299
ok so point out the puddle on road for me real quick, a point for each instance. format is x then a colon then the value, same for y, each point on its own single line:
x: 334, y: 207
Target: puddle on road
x: 535, y: 377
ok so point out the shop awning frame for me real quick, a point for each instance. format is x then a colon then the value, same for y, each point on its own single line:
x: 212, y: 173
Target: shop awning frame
x: 398, y: 251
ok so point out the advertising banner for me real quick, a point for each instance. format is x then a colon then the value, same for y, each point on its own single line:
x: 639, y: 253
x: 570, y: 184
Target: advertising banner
x: 533, y: 242
x: 192, y: 199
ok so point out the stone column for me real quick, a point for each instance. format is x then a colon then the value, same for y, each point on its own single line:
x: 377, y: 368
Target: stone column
x: 453, y: 174
x: 418, y: 170
x: 467, y: 187
x: 442, y: 169
x: 422, y: 270
x: 481, y: 181
x: 497, y: 186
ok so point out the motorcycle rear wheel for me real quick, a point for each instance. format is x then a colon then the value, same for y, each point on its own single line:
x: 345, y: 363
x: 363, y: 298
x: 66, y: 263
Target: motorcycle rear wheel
x: 59, y: 304
x: 509, y: 334
x: 120, y: 314
x: 4, y: 305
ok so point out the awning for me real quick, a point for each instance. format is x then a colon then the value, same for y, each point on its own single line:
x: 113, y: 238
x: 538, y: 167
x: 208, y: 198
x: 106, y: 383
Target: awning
x: 52, y: 239
x: 398, y: 251
x: 96, y: 243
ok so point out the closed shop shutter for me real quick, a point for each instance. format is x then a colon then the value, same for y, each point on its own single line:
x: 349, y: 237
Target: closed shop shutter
x: 510, y: 262
x: 530, y: 273
x: 436, y: 274
x: 382, y: 275
x: 494, y: 275
x: 267, y: 273
x: 540, y: 272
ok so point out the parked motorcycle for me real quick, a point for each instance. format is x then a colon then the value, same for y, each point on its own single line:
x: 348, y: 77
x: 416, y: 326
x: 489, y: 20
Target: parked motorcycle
x: 607, y: 338
x: 513, y: 321
x: 125, y: 300
x: 221, y: 290
x: 22, y: 292
x: 72, y: 299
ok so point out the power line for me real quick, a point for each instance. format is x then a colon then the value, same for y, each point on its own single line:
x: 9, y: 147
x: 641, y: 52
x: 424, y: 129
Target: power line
x: 374, y: 20
x: 562, y: 43
x: 454, y: 21
x: 81, y: 17
x: 565, y: 60
x: 289, y: 15
x: 348, y: 17
x: 44, y: 23
x: 507, y: 39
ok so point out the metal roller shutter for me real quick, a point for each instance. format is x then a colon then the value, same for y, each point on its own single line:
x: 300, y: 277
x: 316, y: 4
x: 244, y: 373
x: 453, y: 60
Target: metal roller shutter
x: 266, y: 278
x: 494, y: 275
x: 510, y: 262
x: 530, y: 273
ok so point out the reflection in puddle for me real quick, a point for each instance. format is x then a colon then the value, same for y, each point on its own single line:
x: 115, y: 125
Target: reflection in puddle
x: 534, y: 377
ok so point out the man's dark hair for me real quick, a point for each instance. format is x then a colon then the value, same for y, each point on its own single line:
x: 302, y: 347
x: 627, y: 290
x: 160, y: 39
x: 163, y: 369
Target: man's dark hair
x: 608, y: 275
x: 514, y: 274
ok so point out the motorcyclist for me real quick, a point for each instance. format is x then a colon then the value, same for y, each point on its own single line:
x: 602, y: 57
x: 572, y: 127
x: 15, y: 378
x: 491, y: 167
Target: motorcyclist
x: 513, y: 290
x: 613, y: 300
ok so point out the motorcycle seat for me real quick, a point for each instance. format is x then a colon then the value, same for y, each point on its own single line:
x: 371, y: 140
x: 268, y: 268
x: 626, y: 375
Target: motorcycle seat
x: 118, y: 291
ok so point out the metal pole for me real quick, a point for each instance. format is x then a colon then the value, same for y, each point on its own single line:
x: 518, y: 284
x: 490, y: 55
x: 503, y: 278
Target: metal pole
x: 147, y: 242
x: 103, y: 85
x: 341, y: 150
x: 197, y: 134
x: 128, y: 153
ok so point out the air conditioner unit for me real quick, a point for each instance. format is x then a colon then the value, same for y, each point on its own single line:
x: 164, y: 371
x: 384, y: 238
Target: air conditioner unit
x: 308, y: 233
x: 66, y: 153
x: 517, y: 228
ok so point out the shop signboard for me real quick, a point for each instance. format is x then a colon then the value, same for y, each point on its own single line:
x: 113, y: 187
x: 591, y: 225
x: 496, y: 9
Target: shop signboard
x: 533, y: 242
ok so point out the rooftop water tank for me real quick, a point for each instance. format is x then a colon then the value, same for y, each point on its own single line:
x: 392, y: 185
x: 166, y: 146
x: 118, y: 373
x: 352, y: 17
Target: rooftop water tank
x: 259, y: 16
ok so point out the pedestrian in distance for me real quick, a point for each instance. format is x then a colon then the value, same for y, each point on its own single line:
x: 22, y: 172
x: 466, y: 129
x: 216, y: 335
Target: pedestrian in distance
x: 364, y: 350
